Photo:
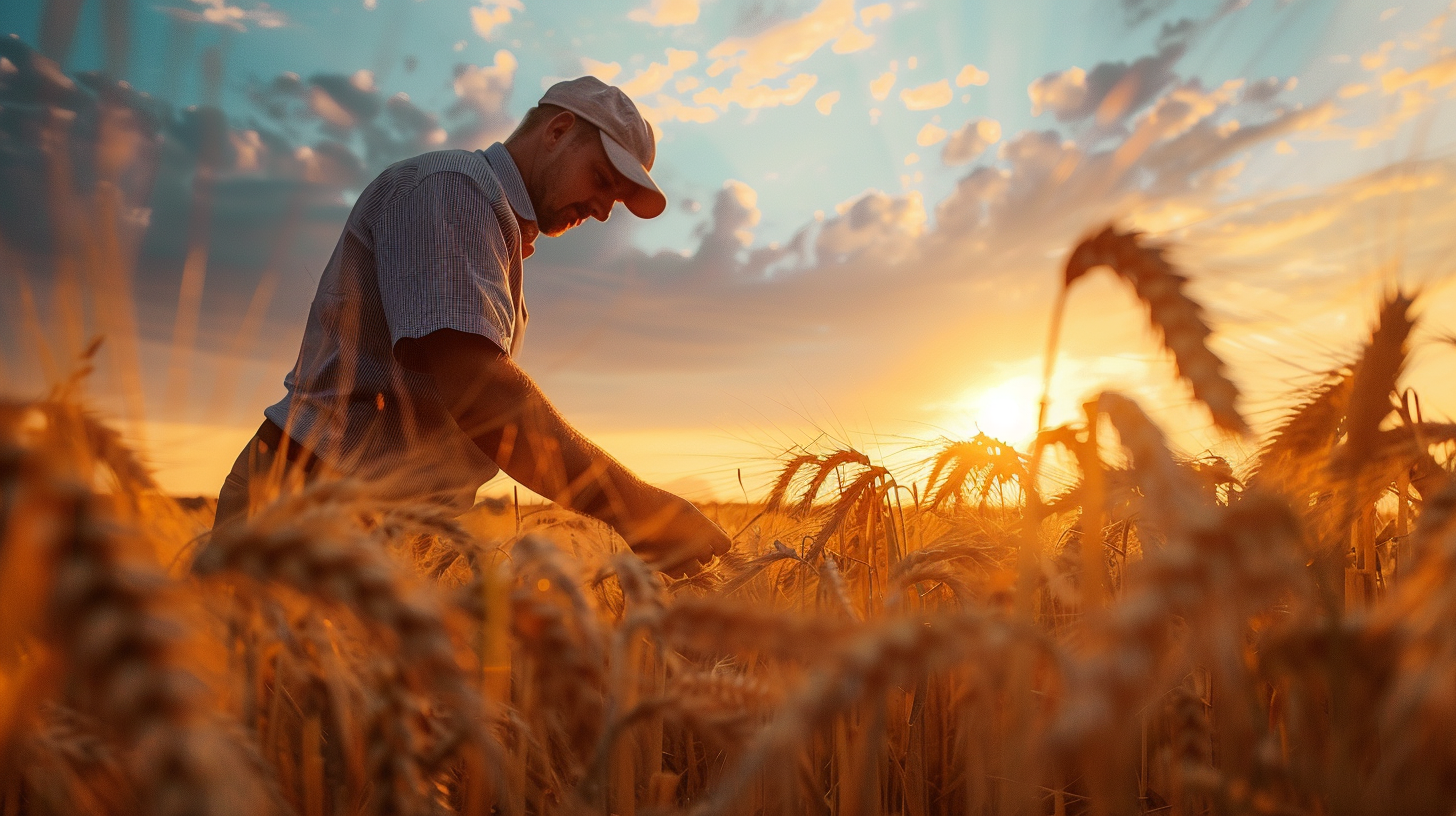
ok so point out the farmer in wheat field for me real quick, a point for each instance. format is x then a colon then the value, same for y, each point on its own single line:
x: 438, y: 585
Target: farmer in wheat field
x: 405, y: 378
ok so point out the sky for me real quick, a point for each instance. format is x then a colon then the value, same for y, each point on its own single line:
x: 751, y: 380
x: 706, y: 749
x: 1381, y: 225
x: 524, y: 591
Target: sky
x: 869, y: 205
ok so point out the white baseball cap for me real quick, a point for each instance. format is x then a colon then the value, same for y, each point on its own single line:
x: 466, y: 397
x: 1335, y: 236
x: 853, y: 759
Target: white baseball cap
x: 626, y: 136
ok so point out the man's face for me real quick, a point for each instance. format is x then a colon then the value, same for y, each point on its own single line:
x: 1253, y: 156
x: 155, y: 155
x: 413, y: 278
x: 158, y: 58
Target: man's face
x: 578, y: 180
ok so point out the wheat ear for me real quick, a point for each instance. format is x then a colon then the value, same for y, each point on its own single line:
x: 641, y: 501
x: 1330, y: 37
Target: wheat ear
x: 1177, y: 318
x: 1373, y: 383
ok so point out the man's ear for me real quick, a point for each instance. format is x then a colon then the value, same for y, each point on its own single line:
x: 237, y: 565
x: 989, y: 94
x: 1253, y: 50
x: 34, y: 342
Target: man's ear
x: 558, y: 127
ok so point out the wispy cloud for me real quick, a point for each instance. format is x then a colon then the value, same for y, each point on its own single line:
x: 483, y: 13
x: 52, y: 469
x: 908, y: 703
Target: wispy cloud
x: 657, y: 107
x: 664, y: 108
x: 492, y: 14
x: 605, y: 71
x: 481, y: 95
x: 928, y: 96
x: 652, y: 78
x: 970, y: 140
x: 971, y: 75
x: 666, y: 13
x: 886, y: 289
x: 869, y: 15
x: 750, y: 62
x: 219, y: 12
x: 931, y: 134
x: 878, y: 272
x: 1111, y: 90
x: 758, y: 96
x: 880, y: 86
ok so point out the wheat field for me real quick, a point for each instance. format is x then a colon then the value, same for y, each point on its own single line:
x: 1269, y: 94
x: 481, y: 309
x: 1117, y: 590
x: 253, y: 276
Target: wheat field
x: 1156, y: 635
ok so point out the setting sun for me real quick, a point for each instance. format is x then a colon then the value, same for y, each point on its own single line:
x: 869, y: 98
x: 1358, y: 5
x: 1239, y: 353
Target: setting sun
x: 1005, y: 411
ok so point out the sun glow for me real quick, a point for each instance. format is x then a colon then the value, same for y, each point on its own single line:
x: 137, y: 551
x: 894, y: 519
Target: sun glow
x: 1005, y: 411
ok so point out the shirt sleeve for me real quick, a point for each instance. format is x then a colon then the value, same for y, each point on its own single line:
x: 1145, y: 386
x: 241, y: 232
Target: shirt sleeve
x: 442, y: 262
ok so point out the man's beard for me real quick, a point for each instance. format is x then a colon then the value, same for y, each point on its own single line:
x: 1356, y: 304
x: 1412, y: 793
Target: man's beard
x: 556, y: 222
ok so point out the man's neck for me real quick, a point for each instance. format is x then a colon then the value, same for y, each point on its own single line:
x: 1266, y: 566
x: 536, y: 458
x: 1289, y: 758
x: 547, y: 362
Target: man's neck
x: 525, y: 165
x: 525, y: 158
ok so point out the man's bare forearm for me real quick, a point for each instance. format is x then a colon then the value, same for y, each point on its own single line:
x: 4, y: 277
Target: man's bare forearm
x: 538, y: 448
x: 498, y: 406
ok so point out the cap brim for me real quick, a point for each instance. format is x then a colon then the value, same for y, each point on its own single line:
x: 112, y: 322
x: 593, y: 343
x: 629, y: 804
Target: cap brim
x: 645, y: 200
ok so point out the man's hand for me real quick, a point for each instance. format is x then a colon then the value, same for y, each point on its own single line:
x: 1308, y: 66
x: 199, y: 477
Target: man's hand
x: 676, y: 537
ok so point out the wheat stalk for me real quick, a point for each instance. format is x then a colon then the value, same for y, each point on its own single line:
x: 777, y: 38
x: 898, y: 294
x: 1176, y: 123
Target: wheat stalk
x: 1177, y: 318
x: 827, y: 465
x: 999, y: 462
x: 1373, y: 383
x: 105, y: 619
x: 316, y: 543
x: 893, y: 652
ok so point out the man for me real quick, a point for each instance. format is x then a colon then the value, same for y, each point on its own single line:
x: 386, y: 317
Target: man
x: 406, y: 377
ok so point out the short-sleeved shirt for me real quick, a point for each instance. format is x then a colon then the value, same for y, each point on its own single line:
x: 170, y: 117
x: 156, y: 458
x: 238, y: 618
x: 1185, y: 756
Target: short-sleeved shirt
x: 433, y: 243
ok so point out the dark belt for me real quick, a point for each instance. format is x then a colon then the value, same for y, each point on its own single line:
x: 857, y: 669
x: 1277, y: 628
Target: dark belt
x: 273, y: 440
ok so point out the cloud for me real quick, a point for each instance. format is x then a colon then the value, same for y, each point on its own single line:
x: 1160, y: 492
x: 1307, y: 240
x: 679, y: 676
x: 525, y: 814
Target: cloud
x: 1409, y: 103
x: 218, y: 12
x: 869, y: 15
x: 825, y: 103
x: 1436, y: 74
x: 331, y: 164
x: 1376, y: 59
x: 664, y: 108
x: 346, y: 109
x: 656, y: 75
x: 969, y: 204
x: 1058, y: 92
x: 881, y: 85
x: 1266, y: 89
x: 852, y: 40
x: 970, y: 140
x: 845, y: 288
x: 735, y: 212
x: 492, y: 14
x: 971, y: 75
x: 874, y: 300
x: 1111, y: 90
x: 1405, y: 94
x: 928, y: 96
x: 1138, y: 12
x: 770, y: 54
x: 342, y: 101
x: 351, y: 110
x: 605, y: 71
x: 1175, y: 114
x: 758, y: 96
x: 417, y: 125
x: 930, y: 134
x: 275, y: 197
x: 874, y: 223
x: 481, y: 95
x: 666, y: 13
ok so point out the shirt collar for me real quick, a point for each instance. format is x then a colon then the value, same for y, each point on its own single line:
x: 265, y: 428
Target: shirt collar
x: 515, y: 188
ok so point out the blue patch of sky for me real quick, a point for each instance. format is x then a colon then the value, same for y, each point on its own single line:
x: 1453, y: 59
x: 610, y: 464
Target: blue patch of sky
x: 798, y: 160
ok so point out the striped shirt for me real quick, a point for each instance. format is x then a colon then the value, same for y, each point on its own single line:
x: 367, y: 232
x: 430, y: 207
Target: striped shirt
x: 435, y: 242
